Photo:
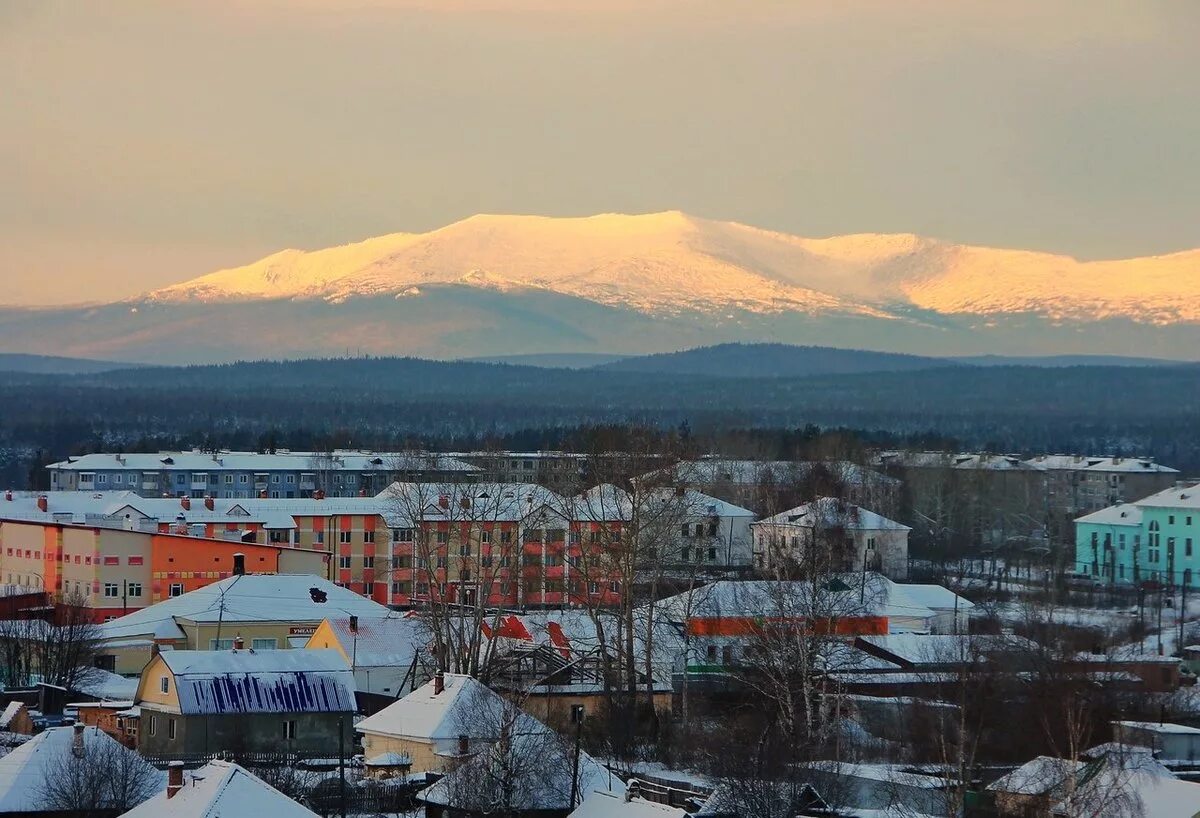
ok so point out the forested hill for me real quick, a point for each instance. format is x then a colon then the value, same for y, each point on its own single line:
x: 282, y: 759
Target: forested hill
x: 773, y: 361
x: 379, y: 402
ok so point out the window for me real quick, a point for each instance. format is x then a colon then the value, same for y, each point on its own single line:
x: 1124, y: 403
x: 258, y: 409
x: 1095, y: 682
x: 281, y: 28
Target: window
x: 112, y: 590
x: 441, y: 562
x: 485, y: 561
x: 180, y: 479
x: 727, y: 655
x: 615, y: 587
x: 485, y: 536
x: 368, y: 561
x: 229, y: 479
x: 101, y: 479
x: 220, y: 644
x: 368, y: 588
x: 593, y: 587
x: 443, y: 537
x: 320, y: 538
x: 399, y: 589
x: 289, y: 729
x: 275, y: 479
x: 243, y: 479
x: 344, y: 537
x: 134, y: 589
x: 344, y: 561
x: 153, y: 727
x: 264, y: 644
x: 1187, y: 547
x: 119, y: 478
x: 402, y: 535
x: 685, y: 530
x: 464, y: 549
x: 870, y: 543
x: 112, y: 560
x: 164, y: 685
x: 291, y: 478
x: 170, y: 729
x: 712, y: 553
x: 575, y: 538
x: 506, y: 535
x: 685, y: 554
x: 710, y: 654
x: 136, y: 560
x: 1170, y: 519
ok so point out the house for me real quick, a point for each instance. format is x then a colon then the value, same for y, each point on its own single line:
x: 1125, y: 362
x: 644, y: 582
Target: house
x: 279, y: 701
x: 26, y: 773
x: 1170, y: 742
x: 388, y: 654
x: 219, y: 789
x: 1034, y: 787
x: 1120, y: 784
x: 528, y: 772
x: 436, y: 726
x: 845, y: 536
x: 1153, y: 540
x: 268, y: 611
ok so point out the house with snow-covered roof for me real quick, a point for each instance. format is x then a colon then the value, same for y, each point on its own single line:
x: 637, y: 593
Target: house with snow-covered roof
x: 845, y: 536
x: 200, y: 702
x: 219, y: 789
x: 268, y: 611
x: 390, y: 655
x: 441, y: 723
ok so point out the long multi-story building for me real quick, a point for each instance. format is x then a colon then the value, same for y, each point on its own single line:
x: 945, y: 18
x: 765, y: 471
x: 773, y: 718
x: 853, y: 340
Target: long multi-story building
x: 990, y: 499
x: 281, y: 474
x: 509, y: 544
x: 1154, y: 539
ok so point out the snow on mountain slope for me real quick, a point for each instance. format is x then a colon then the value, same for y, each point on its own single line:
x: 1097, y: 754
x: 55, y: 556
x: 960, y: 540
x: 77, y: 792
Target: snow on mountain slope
x: 670, y: 263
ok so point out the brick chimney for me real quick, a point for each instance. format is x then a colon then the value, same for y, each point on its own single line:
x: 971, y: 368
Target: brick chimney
x: 174, y: 778
x: 43, y: 503
x: 77, y: 741
x: 186, y: 502
x: 353, y: 623
x: 439, y: 683
x: 209, y: 503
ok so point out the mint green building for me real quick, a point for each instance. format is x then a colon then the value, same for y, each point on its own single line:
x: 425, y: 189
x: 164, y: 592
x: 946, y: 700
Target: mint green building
x: 1156, y: 538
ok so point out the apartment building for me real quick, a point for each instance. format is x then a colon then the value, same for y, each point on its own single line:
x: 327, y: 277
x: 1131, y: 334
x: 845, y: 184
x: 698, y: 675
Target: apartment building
x: 851, y: 537
x: 115, y: 571
x: 281, y: 474
x: 1152, y: 540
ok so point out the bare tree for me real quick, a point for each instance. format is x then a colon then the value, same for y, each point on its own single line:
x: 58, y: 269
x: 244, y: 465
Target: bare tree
x: 95, y: 776
x: 61, y: 652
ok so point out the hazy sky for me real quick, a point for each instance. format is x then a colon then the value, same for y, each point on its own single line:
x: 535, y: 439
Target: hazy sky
x: 143, y: 143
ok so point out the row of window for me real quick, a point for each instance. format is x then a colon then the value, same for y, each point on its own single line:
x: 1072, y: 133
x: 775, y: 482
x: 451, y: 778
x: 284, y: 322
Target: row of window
x: 402, y: 588
x: 288, y: 734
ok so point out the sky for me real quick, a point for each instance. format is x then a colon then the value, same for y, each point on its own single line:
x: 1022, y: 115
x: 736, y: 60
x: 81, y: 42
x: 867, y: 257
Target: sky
x: 145, y: 143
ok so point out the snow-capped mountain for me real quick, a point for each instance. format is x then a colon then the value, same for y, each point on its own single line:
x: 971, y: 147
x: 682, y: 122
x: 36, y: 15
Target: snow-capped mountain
x: 512, y: 285
x: 671, y: 263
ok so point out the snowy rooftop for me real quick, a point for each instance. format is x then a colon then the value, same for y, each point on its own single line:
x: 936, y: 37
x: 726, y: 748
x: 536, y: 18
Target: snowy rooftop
x: 25, y: 769
x: 338, y: 460
x: 458, y: 710
x: 267, y: 681
x: 1121, y: 514
x: 608, y: 804
x: 1177, y: 497
x: 1041, y: 775
x: 831, y: 512
x: 1166, y: 728
x: 221, y: 789
x: 251, y: 598
x: 381, y: 641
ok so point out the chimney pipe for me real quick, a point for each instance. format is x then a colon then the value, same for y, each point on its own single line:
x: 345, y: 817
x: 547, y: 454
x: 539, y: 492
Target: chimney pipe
x: 43, y: 503
x: 174, y: 778
x: 8, y: 495
x: 319, y: 494
x: 239, y: 564
x: 464, y: 744
x: 209, y: 503
x: 186, y: 502
x: 238, y: 642
x: 353, y: 623
x: 439, y: 683
x: 77, y: 741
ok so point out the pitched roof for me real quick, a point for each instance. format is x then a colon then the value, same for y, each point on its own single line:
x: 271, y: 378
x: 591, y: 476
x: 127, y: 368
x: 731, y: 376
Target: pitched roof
x: 222, y: 789
x: 454, y: 712
x: 607, y: 804
x: 1120, y: 514
x: 25, y: 769
x: 381, y: 641
x: 832, y: 512
x: 266, y: 681
x: 1041, y: 775
x: 248, y: 598
x: 548, y: 787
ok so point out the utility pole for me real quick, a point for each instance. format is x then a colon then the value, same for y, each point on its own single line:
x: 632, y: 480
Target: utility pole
x: 342, y: 765
x: 577, y: 717
x: 124, y: 597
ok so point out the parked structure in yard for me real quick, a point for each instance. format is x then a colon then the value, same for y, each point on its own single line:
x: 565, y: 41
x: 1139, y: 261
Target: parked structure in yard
x: 848, y: 536
x: 245, y: 700
x: 1156, y: 539
x: 219, y: 789
x: 267, y: 611
x: 1169, y: 742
